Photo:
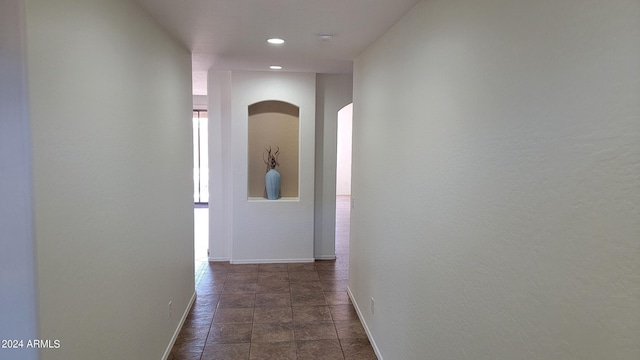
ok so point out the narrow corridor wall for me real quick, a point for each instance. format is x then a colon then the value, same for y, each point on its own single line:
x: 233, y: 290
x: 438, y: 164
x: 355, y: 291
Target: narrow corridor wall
x: 111, y: 106
x: 333, y: 92
x: 496, y: 168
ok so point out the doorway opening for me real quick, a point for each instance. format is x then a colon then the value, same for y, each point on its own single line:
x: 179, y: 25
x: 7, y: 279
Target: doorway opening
x: 200, y: 157
x: 200, y: 185
x: 343, y: 182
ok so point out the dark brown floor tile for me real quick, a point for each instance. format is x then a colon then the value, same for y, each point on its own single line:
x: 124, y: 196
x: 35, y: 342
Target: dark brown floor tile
x: 236, y: 301
x: 203, y: 321
x: 325, y: 265
x: 211, y: 277
x: 337, y: 298
x: 333, y: 275
x: 183, y: 344
x: 315, y: 331
x: 201, y: 311
x: 242, y: 276
x: 309, y: 286
x: 268, y: 333
x: 306, y: 314
x: 308, y: 299
x: 210, y: 289
x: 272, y: 315
x: 302, y: 267
x: 350, y: 330
x: 275, y: 286
x: 344, y: 313
x: 335, y: 265
x: 298, y: 276
x: 263, y: 295
x: 199, y: 317
x: 273, y: 300
x: 319, y: 349
x: 229, y: 334
x: 273, y: 276
x: 208, y: 301
x: 218, y: 265
x: 335, y: 285
x: 234, y: 268
x: 193, y: 335
x: 357, y: 349
x: 273, y: 351
x: 236, y: 315
x: 226, y: 352
x: 185, y: 355
x: 215, y: 274
x: 239, y: 288
x: 273, y: 267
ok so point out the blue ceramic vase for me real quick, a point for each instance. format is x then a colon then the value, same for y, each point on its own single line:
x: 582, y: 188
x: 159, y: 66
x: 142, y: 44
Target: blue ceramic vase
x: 272, y: 183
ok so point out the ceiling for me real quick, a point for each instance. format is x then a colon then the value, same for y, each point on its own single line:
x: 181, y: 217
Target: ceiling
x: 232, y: 34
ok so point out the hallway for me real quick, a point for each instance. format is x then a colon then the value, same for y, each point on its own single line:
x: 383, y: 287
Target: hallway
x: 276, y: 311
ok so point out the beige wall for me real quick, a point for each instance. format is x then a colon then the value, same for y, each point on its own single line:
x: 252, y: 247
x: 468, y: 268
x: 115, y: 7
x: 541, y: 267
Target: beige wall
x: 496, y: 162
x: 110, y: 103
x: 275, y: 125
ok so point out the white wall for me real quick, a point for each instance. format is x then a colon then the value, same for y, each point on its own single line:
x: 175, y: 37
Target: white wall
x: 343, y: 166
x: 333, y: 92
x: 248, y: 230
x: 200, y: 102
x: 111, y: 102
x: 496, y: 181
x: 18, y: 302
x: 220, y: 176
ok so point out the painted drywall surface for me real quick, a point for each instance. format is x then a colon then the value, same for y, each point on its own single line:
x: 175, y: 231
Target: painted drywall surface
x: 110, y: 96
x: 495, y: 174
x: 268, y: 230
x: 200, y: 102
x: 18, y: 302
x: 333, y: 92
x: 343, y: 167
x: 220, y: 176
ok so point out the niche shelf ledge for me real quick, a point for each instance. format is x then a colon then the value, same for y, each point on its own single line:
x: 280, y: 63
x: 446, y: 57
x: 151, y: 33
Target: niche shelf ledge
x: 281, y: 200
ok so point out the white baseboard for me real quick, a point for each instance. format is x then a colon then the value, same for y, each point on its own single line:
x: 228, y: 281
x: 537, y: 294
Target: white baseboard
x: 272, y: 261
x: 179, y: 328
x: 219, y: 259
x: 325, y: 257
x: 364, y: 324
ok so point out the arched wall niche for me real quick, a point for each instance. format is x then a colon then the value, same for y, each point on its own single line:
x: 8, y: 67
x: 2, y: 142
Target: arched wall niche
x: 274, y: 124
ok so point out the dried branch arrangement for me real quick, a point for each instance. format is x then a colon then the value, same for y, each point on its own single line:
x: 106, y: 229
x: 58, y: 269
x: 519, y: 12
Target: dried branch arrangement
x: 271, y: 158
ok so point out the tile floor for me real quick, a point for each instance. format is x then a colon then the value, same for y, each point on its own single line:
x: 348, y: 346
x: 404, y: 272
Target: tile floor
x: 276, y: 311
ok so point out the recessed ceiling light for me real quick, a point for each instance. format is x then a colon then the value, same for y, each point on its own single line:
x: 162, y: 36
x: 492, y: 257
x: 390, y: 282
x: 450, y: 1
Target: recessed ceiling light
x: 275, y: 41
x: 325, y: 37
x: 275, y: 67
